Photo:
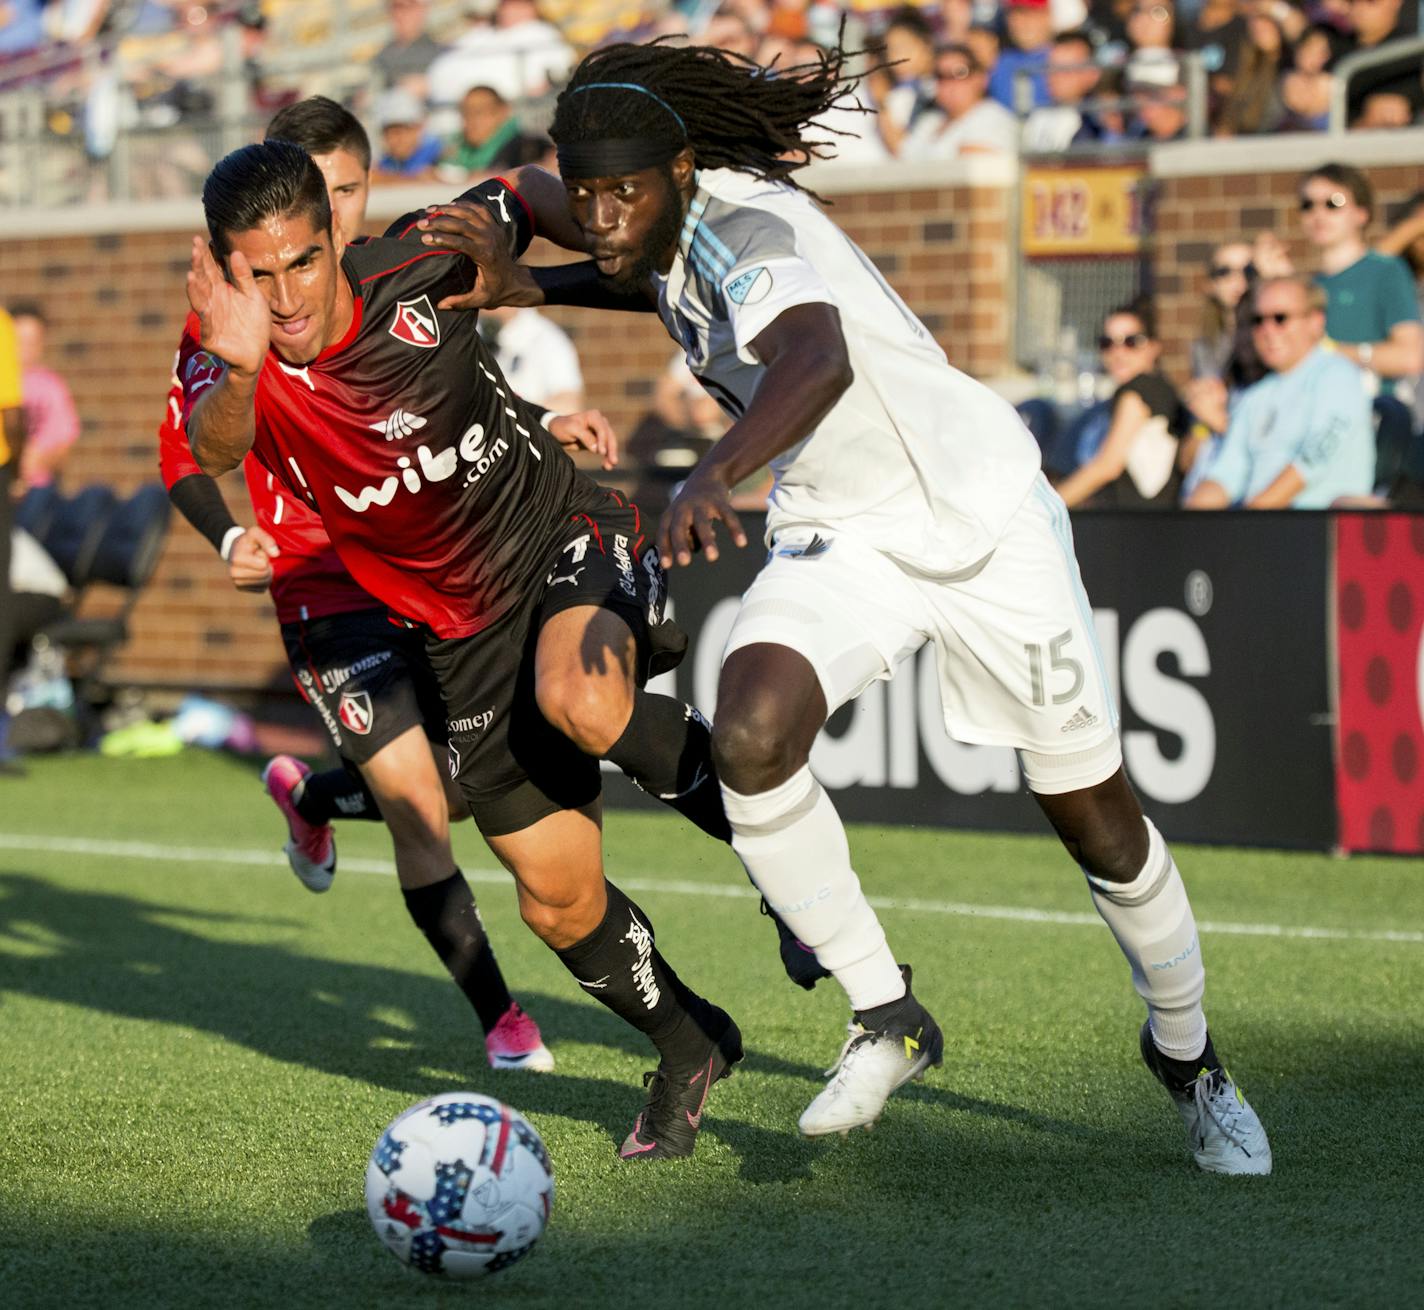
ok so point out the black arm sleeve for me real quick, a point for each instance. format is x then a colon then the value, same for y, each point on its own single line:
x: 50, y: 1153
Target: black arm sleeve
x: 198, y: 500
x: 580, y: 284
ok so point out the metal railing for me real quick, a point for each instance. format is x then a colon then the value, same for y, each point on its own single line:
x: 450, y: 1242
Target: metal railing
x: 1388, y: 53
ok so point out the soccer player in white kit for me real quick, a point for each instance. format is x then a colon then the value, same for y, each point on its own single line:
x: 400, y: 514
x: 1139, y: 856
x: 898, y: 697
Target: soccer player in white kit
x: 909, y: 507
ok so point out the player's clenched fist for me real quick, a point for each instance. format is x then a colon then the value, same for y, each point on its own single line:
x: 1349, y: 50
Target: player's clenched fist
x: 250, y: 563
x: 235, y: 318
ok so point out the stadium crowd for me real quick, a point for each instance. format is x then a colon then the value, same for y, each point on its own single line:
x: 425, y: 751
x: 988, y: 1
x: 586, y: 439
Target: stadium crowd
x: 464, y: 87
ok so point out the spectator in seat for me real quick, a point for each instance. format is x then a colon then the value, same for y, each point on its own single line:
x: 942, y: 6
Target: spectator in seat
x: 1303, y: 436
x: 1227, y: 278
x: 405, y: 59
x: 964, y: 120
x: 1139, y: 463
x: 1306, y: 88
x: 1159, y: 98
x: 1218, y: 32
x: 1028, y: 24
x: 518, y: 54
x: 1375, y: 23
x: 409, y: 152
x: 1384, y: 109
x: 490, y: 139
x: 12, y: 440
x: 51, y: 421
x: 984, y: 41
x: 536, y: 356
x: 1372, y: 313
x: 904, y: 89
x: 1151, y: 32
x: 1254, y: 104
x: 1072, y: 78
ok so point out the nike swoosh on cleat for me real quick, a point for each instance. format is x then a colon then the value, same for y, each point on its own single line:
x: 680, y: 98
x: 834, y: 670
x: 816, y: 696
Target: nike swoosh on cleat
x: 696, y: 1119
x: 639, y: 1147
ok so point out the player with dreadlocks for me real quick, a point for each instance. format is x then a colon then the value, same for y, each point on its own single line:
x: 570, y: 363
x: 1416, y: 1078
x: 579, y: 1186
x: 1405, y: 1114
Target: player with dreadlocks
x: 908, y: 508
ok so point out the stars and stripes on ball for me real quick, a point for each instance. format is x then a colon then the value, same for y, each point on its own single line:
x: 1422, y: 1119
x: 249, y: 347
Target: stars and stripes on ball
x: 459, y: 1186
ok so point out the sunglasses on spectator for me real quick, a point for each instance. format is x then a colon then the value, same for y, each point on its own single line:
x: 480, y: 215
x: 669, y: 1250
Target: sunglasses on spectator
x: 1335, y: 200
x: 1160, y: 12
x: 1279, y: 319
x: 1133, y: 341
x: 958, y: 73
x: 1229, y: 270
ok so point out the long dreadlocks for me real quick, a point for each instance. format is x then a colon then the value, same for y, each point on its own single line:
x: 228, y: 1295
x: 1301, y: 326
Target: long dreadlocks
x: 648, y: 101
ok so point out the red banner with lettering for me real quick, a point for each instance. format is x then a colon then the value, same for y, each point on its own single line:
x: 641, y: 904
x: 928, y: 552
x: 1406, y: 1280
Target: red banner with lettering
x: 1379, y: 595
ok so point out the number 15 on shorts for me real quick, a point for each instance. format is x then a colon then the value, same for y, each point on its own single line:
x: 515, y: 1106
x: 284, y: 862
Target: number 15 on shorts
x: 1057, y: 662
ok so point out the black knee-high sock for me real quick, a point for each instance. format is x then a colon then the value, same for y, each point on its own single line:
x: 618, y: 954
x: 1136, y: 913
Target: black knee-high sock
x: 336, y: 794
x: 667, y: 750
x: 445, y: 912
x: 619, y: 965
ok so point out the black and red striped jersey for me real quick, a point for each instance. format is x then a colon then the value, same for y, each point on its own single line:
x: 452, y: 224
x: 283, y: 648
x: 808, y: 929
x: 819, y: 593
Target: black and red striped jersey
x: 436, y: 483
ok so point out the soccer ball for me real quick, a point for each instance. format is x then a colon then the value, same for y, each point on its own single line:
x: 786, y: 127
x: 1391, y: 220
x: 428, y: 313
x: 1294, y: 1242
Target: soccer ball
x: 459, y: 1185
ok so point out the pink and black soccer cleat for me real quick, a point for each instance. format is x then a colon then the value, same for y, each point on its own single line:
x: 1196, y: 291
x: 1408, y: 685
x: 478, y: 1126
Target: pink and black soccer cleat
x: 311, y: 849
x: 669, y: 1123
x: 514, y: 1043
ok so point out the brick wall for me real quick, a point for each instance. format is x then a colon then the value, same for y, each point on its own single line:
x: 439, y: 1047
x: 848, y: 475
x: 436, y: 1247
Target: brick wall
x: 116, y: 305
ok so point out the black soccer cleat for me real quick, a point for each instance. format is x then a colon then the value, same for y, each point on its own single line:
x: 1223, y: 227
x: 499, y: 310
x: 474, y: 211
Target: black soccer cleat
x: 798, y: 959
x: 667, y: 1127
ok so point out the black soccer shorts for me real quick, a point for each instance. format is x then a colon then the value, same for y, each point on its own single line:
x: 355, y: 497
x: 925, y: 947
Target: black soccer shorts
x: 513, y: 767
x: 367, y: 679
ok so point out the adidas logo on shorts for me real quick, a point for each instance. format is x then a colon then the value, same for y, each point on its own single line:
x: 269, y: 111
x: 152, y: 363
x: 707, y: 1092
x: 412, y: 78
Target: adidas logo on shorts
x: 1083, y: 717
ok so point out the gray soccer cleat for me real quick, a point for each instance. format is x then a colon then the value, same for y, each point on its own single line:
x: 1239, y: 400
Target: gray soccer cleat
x: 1223, y: 1131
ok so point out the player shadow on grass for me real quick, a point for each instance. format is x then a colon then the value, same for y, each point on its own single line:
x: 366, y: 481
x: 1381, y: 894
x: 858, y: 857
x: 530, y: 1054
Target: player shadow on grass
x: 393, y: 1029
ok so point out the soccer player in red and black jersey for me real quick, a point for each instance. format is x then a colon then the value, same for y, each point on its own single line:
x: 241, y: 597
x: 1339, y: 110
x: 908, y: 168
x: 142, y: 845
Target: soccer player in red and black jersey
x: 367, y: 679
x: 538, y: 593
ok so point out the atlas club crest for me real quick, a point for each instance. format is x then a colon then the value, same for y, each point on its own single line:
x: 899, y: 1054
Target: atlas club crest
x: 355, y: 711
x: 415, y: 323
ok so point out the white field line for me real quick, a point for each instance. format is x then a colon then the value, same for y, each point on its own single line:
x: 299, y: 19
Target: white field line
x: 137, y: 850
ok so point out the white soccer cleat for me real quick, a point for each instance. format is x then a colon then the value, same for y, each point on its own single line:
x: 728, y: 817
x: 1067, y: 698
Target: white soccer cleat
x: 872, y: 1065
x: 311, y: 849
x: 1223, y: 1131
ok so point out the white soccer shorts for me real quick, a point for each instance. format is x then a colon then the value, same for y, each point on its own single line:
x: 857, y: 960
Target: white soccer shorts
x: 1018, y: 657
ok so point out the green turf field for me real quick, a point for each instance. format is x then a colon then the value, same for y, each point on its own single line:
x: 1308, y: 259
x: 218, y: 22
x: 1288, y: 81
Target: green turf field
x: 198, y: 1055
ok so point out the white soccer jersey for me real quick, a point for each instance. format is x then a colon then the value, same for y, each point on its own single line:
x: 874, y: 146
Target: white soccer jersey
x: 915, y: 458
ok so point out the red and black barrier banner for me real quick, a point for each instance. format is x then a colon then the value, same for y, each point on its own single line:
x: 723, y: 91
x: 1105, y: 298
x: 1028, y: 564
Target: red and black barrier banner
x: 1215, y: 633
x: 1379, y: 606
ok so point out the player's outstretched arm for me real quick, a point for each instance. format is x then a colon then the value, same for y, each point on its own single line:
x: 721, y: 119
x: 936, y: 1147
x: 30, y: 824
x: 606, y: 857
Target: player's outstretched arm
x: 807, y: 371
x: 235, y: 324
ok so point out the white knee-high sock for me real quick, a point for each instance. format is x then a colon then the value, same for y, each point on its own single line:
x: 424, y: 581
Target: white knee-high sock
x: 795, y: 849
x: 1152, y: 921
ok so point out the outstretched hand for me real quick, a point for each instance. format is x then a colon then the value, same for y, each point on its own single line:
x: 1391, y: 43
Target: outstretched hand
x: 471, y: 229
x: 587, y: 429
x: 689, y: 523
x: 234, y: 317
